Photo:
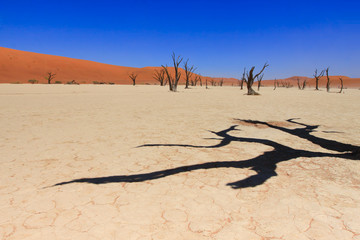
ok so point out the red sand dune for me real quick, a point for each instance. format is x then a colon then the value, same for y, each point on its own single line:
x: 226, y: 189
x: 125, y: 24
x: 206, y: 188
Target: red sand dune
x: 20, y: 66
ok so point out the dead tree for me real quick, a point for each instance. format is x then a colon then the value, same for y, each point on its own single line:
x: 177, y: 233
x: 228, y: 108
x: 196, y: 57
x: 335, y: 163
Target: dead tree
x: 341, y: 85
x: 275, y: 84
x: 188, y: 73
x: 221, y: 82
x: 159, y: 76
x: 259, y: 81
x: 200, y: 80
x: 133, y: 77
x: 243, y: 79
x: 50, y: 76
x: 173, y: 81
x: 327, y: 80
x: 317, y: 77
x: 169, y: 78
x: 206, y: 84
x: 302, y: 85
x: 250, y: 78
x: 213, y: 83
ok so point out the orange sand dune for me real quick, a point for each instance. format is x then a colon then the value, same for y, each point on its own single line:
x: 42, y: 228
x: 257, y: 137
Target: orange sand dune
x: 20, y: 66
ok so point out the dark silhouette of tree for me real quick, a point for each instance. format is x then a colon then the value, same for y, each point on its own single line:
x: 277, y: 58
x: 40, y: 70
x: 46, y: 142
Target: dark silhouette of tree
x: 275, y: 84
x: 260, y: 77
x: 317, y: 77
x: 243, y: 79
x: 250, y: 78
x: 189, y: 71
x: 327, y: 80
x: 173, y: 81
x: 133, y: 77
x: 341, y: 85
x: 221, y: 82
x: 50, y: 76
x: 159, y: 76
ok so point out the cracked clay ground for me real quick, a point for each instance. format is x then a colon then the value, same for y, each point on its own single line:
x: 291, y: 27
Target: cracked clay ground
x: 123, y: 162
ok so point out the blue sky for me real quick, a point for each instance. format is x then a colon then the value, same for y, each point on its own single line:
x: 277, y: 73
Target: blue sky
x: 219, y: 37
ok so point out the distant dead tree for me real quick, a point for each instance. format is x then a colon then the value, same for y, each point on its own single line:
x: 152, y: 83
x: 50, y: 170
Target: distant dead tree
x: 173, y: 81
x: 250, y: 78
x: 243, y: 79
x: 341, y: 85
x: 200, y: 80
x: 275, y: 83
x: 317, y: 77
x: 50, y: 76
x: 159, y: 76
x: 133, y: 77
x: 206, y: 84
x: 213, y: 83
x: 221, y: 82
x: 195, y: 80
x: 259, y: 81
x: 327, y: 80
x: 302, y: 85
x: 188, y: 73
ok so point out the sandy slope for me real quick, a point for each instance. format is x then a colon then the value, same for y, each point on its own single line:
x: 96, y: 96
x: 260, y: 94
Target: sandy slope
x: 192, y: 179
x: 20, y: 66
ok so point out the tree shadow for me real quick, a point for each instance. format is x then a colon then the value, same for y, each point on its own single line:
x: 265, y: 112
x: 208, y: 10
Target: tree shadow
x: 264, y: 165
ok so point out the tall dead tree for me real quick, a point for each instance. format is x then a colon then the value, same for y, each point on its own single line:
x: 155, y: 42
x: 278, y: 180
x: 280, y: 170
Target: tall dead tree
x: 259, y: 81
x: 188, y: 73
x: 173, y: 81
x: 50, y: 76
x: 159, y: 76
x: 317, y: 77
x: 341, y: 85
x: 133, y: 77
x: 327, y: 80
x: 243, y: 79
x: 250, y: 78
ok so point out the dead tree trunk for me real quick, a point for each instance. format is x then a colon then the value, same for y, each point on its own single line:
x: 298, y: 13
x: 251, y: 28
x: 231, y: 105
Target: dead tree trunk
x: 206, y: 84
x: 221, y: 82
x: 188, y: 73
x: 159, y: 76
x: 169, y: 78
x: 303, y: 85
x: 251, y: 78
x: 275, y: 82
x: 50, y: 76
x: 242, y: 80
x: 173, y: 81
x: 259, y: 81
x: 317, y: 77
x: 341, y: 85
x: 133, y: 77
x: 327, y: 80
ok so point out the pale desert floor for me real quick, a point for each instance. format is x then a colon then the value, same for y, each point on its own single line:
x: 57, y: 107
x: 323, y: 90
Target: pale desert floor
x: 123, y: 162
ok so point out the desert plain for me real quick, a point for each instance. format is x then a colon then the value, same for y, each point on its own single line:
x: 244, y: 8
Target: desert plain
x: 141, y: 162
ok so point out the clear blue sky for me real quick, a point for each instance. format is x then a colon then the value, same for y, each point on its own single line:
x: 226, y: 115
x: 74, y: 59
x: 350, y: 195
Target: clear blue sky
x: 219, y: 37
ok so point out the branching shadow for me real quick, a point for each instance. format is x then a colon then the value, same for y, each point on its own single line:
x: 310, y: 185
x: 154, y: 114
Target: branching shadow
x: 264, y: 165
